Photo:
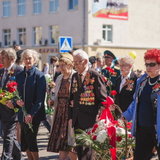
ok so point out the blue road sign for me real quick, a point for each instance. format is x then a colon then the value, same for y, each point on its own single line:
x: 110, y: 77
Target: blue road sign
x: 65, y: 44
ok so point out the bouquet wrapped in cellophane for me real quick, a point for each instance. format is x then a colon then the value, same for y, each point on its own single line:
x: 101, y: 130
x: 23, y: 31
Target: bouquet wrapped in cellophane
x: 111, y: 139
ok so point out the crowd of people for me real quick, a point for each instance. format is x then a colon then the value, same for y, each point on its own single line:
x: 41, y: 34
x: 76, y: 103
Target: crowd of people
x: 74, y: 86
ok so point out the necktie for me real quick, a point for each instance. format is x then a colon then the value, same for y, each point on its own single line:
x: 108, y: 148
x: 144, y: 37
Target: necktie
x: 4, y: 77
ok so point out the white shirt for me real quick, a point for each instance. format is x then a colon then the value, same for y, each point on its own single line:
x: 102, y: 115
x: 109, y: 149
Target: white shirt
x: 84, y: 73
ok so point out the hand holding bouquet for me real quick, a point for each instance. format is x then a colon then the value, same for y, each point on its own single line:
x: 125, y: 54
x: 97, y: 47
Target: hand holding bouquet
x: 10, y: 98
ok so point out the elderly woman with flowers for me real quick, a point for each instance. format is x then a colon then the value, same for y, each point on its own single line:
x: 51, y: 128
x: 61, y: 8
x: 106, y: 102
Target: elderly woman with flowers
x: 144, y: 111
x: 32, y: 89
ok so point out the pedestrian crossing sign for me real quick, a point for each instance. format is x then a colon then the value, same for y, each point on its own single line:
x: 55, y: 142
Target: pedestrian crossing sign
x: 65, y: 44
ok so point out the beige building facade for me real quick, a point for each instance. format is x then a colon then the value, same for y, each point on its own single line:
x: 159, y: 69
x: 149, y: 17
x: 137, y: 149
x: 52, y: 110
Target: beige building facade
x: 38, y: 24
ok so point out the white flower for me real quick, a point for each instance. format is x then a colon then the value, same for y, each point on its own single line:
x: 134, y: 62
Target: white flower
x: 101, y: 137
x: 101, y: 123
x: 120, y: 131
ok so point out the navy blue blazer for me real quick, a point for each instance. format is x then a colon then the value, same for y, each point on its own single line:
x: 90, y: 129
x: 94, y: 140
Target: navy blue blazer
x: 32, y: 89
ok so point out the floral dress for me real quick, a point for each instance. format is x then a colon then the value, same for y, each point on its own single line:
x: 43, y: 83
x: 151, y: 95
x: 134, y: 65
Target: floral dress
x: 58, y: 137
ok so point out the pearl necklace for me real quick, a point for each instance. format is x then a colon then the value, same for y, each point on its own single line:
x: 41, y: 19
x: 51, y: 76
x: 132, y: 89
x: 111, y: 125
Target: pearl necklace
x: 151, y: 83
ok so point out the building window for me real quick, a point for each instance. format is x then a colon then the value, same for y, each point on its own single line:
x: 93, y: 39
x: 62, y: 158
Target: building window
x: 7, y: 37
x: 6, y: 8
x: 107, y: 33
x: 37, y: 6
x: 21, y: 4
x: 53, y: 34
x: 73, y: 4
x: 37, y: 36
x: 53, y: 5
x: 22, y: 36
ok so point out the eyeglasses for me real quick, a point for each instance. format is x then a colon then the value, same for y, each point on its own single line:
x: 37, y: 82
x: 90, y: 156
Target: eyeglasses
x: 107, y: 57
x: 78, y: 62
x: 150, y: 64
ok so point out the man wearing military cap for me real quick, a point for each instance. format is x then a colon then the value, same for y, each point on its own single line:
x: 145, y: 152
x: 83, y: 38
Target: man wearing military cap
x: 109, y: 70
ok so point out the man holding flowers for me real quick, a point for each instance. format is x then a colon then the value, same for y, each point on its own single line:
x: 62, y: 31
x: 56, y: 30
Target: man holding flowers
x: 11, y: 148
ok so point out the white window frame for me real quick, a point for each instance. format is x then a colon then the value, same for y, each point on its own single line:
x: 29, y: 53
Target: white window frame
x: 6, y: 8
x: 37, y: 35
x: 107, y: 31
x: 21, y: 7
x: 53, y: 6
x: 37, y: 6
x: 8, y: 37
x: 74, y: 4
x: 53, y: 30
x: 23, y: 34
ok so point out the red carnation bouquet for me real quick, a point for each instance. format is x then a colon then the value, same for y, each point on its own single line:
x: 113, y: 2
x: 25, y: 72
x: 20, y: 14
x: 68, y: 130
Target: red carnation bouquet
x: 110, y: 139
x: 11, y: 93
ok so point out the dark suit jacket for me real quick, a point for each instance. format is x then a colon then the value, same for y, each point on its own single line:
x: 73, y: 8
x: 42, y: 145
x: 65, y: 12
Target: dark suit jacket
x: 125, y: 96
x: 112, y: 76
x: 7, y: 114
x: 33, y: 84
x: 86, y: 99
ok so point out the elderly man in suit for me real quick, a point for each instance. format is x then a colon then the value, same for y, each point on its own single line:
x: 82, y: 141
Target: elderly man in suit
x: 87, y: 92
x: 11, y: 148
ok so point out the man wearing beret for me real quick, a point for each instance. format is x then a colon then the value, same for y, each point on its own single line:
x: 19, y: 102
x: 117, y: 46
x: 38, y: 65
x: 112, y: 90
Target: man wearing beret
x: 109, y: 71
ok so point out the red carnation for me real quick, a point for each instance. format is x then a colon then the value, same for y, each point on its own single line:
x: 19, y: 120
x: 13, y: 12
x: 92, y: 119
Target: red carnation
x: 94, y: 128
x: 1, y: 66
x: 130, y: 136
x: 129, y: 125
x: 113, y: 92
x: 110, y: 70
x: 118, y: 138
x: 12, y: 86
x: 94, y: 137
x: 11, y: 90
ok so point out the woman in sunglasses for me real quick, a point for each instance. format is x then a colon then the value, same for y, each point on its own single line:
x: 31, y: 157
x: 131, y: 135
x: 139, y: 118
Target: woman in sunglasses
x: 144, y: 111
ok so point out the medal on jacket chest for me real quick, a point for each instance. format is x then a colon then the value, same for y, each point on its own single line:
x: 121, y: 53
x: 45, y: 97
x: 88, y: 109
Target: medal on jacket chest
x: 87, y: 97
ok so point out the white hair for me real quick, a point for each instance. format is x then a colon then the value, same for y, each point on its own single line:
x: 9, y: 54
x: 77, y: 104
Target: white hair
x: 32, y: 52
x: 126, y: 60
x: 81, y: 53
x: 10, y: 52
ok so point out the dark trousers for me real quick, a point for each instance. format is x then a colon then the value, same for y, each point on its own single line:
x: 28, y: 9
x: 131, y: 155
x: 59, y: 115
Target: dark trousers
x: 11, y: 147
x: 47, y: 125
x: 145, y: 142
x: 0, y: 128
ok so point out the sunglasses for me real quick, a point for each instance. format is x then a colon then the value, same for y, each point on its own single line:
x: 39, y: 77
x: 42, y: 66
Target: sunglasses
x: 150, y: 64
